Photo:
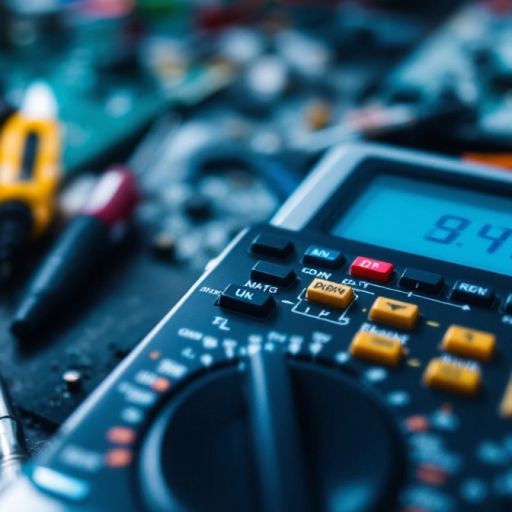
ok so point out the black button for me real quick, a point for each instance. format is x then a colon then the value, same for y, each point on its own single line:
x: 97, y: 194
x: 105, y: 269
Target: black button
x: 472, y: 293
x: 246, y: 300
x: 271, y: 245
x: 421, y: 280
x: 508, y: 304
x: 273, y: 274
x: 323, y: 257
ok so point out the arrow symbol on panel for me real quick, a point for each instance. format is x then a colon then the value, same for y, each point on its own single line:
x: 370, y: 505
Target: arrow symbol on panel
x: 395, y: 307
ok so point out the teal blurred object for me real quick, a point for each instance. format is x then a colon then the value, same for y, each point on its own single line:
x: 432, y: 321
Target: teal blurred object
x: 107, y: 84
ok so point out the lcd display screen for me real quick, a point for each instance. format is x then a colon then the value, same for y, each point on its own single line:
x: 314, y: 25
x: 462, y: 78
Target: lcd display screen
x: 438, y: 221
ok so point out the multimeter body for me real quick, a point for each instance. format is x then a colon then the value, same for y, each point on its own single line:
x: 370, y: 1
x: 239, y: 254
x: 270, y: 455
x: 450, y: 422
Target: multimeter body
x: 182, y: 423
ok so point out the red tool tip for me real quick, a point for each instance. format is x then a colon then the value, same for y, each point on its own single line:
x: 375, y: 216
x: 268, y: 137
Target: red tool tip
x: 114, y: 197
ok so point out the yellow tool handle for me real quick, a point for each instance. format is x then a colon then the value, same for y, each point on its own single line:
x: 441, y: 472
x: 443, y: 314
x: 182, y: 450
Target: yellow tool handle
x: 39, y: 189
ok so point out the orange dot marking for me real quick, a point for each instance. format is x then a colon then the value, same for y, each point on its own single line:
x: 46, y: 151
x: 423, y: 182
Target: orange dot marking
x: 121, y: 435
x: 118, y: 458
x: 431, y: 475
x: 161, y: 384
x: 417, y: 423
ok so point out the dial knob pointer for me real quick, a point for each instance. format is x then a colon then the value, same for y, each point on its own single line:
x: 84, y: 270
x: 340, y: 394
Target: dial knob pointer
x: 274, y: 431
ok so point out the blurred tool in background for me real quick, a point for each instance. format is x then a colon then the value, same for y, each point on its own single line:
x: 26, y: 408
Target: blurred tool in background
x: 13, y: 452
x: 79, y: 250
x: 29, y: 173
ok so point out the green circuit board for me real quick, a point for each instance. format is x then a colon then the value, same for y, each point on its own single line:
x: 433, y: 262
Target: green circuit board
x: 107, y: 92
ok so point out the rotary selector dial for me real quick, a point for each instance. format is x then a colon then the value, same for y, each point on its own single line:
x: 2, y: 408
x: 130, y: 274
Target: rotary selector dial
x: 272, y: 434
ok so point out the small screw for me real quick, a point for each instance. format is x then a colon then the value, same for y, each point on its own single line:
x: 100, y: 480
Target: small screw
x: 73, y: 379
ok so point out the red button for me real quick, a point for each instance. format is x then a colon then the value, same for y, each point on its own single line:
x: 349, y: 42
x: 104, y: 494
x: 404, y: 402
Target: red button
x: 371, y: 269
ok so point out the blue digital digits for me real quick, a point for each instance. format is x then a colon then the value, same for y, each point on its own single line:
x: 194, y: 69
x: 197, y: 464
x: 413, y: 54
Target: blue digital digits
x: 434, y: 220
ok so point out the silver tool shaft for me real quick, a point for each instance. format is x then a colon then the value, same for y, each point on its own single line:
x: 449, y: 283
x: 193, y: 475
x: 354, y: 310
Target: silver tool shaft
x: 12, y: 445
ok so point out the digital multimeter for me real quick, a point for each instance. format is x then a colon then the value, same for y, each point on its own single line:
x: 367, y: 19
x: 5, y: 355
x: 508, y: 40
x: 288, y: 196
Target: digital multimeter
x: 354, y: 355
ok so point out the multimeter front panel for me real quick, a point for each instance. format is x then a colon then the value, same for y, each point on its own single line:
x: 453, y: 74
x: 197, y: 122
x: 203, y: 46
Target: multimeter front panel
x: 398, y: 354
x: 446, y: 229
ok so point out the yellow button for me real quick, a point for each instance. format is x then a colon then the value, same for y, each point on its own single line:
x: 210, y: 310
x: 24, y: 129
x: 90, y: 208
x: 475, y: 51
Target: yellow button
x: 465, y: 342
x: 449, y: 376
x: 374, y: 347
x: 506, y: 401
x: 329, y: 293
x: 394, y: 313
